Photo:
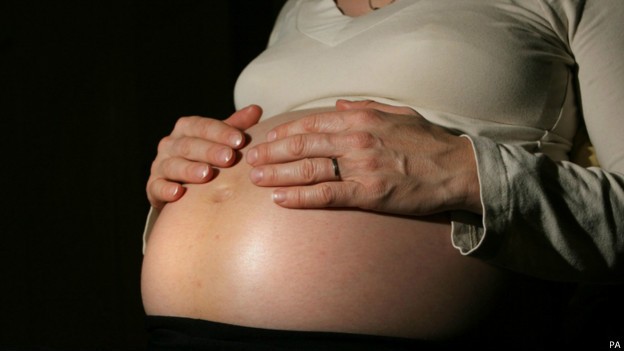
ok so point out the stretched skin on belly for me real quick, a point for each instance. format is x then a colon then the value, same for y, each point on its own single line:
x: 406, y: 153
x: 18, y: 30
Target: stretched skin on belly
x: 225, y: 252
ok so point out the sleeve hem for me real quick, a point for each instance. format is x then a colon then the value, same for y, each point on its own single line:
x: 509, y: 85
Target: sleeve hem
x: 477, y: 235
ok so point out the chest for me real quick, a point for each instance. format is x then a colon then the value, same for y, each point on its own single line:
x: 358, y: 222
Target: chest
x: 495, y: 61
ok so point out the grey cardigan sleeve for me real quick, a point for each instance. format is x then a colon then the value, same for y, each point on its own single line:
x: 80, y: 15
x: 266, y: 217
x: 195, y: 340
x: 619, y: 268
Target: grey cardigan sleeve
x: 558, y: 220
x: 553, y: 220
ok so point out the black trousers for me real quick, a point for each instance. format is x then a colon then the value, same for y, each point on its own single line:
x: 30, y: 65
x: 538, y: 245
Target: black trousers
x: 174, y: 333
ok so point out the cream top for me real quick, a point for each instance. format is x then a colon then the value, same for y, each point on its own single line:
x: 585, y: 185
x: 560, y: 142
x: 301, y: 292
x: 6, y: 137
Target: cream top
x: 516, y: 77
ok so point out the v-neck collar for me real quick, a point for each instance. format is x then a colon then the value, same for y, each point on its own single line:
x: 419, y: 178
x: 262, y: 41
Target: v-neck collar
x: 322, y: 20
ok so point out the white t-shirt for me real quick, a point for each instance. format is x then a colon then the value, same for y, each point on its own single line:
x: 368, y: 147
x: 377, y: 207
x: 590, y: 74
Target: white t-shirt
x: 516, y: 77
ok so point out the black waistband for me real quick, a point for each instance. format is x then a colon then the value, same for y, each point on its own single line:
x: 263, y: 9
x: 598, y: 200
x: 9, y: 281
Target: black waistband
x: 175, y: 333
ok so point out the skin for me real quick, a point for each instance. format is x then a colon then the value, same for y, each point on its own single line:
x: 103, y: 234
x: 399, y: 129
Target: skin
x: 224, y: 252
x: 388, y: 157
x: 356, y: 8
x: 193, y: 147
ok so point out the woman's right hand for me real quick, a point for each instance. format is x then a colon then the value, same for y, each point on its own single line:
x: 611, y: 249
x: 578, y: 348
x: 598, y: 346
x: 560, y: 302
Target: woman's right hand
x: 194, y: 145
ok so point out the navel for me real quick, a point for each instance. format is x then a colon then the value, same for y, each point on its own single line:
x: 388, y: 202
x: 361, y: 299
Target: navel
x: 220, y: 194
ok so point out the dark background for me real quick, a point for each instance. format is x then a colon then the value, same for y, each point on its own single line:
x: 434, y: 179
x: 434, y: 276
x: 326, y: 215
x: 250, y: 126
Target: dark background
x: 87, y: 88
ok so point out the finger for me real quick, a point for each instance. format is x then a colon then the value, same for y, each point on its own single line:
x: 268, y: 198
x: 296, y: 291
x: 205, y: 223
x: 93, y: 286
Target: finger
x: 161, y: 191
x: 344, y: 105
x: 302, y: 172
x: 245, y: 118
x: 323, y: 122
x: 296, y: 147
x: 208, y: 129
x: 302, y: 146
x: 184, y: 171
x: 322, y: 195
x: 199, y: 150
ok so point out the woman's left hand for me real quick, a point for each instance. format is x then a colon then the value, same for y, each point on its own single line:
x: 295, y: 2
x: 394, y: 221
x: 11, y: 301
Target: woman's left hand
x: 390, y: 159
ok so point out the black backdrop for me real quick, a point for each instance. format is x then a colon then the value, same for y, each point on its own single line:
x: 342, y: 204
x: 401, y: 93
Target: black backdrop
x: 87, y: 88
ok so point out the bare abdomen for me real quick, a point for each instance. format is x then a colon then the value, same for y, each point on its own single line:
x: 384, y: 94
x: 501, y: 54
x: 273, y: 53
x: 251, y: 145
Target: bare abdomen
x: 226, y: 253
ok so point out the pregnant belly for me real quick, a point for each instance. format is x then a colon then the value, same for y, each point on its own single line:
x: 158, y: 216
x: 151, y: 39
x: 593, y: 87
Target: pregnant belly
x: 225, y: 252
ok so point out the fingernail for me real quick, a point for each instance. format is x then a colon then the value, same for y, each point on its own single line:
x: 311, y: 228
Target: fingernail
x: 272, y: 135
x: 201, y: 172
x: 225, y: 155
x: 256, y: 175
x: 236, y: 140
x: 279, y: 196
x: 174, y: 191
x: 252, y: 156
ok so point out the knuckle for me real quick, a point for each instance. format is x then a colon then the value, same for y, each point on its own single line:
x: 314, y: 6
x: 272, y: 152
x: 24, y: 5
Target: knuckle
x: 159, y: 167
x: 408, y: 111
x: 165, y: 192
x: 167, y: 168
x: 189, y: 171
x: 182, y: 123
x: 184, y: 147
x: 164, y: 143
x: 269, y: 175
x: 310, y: 123
x: 155, y: 191
x: 155, y: 166
x: 296, y: 145
x: 264, y: 153
x: 203, y: 127
x: 367, y: 116
x: 369, y: 103
x: 361, y: 139
x: 369, y: 164
x: 308, y: 171
x: 325, y: 194
x: 148, y: 188
x: 207, y: 153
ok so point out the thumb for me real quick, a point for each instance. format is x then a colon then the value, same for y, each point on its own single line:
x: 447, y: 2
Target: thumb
x: 245, y: 117
x: 343, y: 105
